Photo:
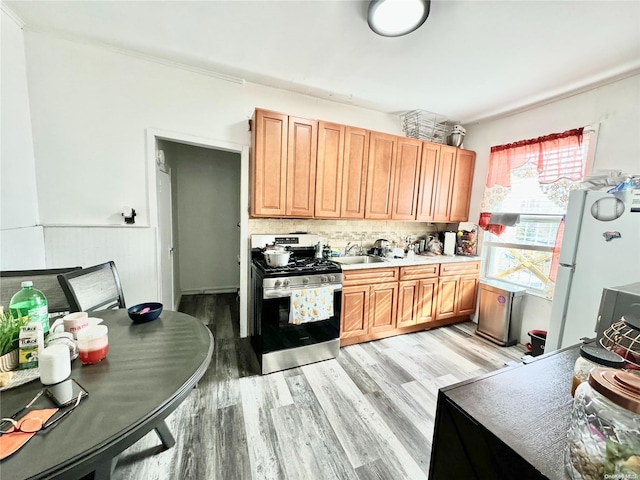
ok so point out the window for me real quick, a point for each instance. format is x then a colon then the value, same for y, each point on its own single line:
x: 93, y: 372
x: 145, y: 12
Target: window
x: 524, y: 203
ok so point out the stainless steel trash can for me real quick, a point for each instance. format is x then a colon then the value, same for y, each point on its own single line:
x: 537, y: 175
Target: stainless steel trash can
x: 500, y: 312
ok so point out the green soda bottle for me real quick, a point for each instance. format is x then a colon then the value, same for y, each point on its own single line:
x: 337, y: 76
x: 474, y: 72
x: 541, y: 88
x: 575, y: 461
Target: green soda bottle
x: 30, y: 303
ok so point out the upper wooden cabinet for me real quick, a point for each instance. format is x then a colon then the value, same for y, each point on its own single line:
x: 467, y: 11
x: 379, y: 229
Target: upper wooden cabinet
x: 428, y: 182
x: 329, y: 170
x: 462, y: 182
x: 301, y: 167
x: 341, y: 171
x: 283, y: 165
x: 380, y: 176
x: 453, y: 184
x: 268, y: 164
x: 308, y: 169
x: 407, y: 177
x: 354, y: 173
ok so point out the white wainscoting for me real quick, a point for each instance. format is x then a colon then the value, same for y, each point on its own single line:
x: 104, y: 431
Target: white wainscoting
x: 132, y: 248
x: 22, y: 249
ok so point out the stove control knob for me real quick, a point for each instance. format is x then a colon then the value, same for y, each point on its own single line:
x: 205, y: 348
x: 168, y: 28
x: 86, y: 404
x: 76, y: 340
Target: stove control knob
x: 332, y: 278
x: 278, y: 283
x: 305, y: 280
x: 285, y: 283
x: 324, y: 279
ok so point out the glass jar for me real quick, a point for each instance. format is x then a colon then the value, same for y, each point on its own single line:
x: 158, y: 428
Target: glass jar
x: 604, y: 435
x: 590, y: 358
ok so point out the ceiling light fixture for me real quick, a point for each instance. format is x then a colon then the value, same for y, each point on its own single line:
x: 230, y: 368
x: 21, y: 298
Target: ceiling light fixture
x: 393, y: 18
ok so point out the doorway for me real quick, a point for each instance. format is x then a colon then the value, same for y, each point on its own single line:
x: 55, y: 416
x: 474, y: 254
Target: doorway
x: 201, y: 185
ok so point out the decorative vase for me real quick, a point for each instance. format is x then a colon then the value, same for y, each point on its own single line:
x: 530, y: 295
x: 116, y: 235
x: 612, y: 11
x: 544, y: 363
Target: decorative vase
x: 9, y: 361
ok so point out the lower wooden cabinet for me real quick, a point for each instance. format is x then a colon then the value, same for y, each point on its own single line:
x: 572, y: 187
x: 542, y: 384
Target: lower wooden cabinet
x: 355, y: 311
x: 368, y: 309
x: 382, y: 307
x: 381, y: 302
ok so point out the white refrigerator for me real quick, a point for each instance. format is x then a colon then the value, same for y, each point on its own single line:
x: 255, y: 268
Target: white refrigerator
x: 600, y: 248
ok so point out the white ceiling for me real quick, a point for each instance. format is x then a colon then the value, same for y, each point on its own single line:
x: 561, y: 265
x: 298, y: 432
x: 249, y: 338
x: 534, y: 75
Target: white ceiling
x: 470, y: 60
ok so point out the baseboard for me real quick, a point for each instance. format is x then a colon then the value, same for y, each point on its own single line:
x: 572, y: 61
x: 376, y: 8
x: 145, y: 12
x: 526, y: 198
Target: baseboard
x: 211, y: 290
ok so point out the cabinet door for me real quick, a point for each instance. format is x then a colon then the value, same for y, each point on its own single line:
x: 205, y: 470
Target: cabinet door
x: 405, y: 190
x: 329, y: 168
x: 354, y: 176
x: 442, y: 204
x: 427, y: 187
x: 462, y: 182
x: 467, y: 295
x: 382, y: 307
x: 354, y: 320
x: 408, y: 293
x: 301, y: 167
x: 426, y: 300
x: 380, y: 176
x: 269, y: 164
x: 446, y: 299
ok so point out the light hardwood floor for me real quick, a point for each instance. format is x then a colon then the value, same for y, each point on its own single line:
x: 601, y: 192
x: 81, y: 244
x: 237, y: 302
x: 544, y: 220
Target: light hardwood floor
x: 367, y: 415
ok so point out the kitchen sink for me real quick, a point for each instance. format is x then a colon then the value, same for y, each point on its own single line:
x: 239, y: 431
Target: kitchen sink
x: 358, y: 259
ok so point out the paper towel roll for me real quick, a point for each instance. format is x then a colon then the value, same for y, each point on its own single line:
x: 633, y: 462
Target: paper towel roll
x: 449, y: 243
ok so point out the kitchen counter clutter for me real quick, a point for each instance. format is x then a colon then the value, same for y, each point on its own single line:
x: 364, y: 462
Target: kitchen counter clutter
x: 397, y: 296
x: 406, y: 262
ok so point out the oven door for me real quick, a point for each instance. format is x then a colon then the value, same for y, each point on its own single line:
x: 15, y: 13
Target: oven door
x: 279, y: 334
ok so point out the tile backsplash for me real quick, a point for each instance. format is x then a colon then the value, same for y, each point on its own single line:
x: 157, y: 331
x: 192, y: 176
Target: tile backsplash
x: 338, y: 233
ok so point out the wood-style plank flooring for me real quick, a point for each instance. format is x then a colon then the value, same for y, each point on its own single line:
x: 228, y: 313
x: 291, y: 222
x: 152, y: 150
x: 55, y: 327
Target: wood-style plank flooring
x: 367, y: 415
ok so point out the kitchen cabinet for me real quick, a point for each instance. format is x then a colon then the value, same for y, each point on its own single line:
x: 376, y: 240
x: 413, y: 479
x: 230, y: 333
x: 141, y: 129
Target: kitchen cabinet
x: 453, y: 184
x: 417, y: 295
x: 428, y: 182
x: 283, y: 165
x: 268, y: 164
x: 382, y: 307
x: 301, y: 167
x: 442, y: 194
x: 457, y: 290
x: 407, y: 178
x: 341, y: 171
x: 380, y: 176
x: 382, y: 302
x: 462, y: 181
x: 369, y: 302
x: 354, y: 319
x: 354, y: 175
x: 329, y: 170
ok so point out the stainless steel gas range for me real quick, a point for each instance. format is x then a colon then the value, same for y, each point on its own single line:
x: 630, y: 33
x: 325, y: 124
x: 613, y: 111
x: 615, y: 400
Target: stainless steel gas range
x: 278, y: 341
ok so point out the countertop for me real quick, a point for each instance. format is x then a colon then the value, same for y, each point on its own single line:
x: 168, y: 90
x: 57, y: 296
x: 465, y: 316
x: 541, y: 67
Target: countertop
x: 417, y: 260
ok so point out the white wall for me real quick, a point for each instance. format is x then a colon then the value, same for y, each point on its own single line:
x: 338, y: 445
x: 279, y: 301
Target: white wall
x: 208, y: 211
x: 616, y: 107
x: 21, y: 239
x: 90, y: 109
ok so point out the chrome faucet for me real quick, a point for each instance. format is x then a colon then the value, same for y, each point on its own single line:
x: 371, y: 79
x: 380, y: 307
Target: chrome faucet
x: 348, y: 248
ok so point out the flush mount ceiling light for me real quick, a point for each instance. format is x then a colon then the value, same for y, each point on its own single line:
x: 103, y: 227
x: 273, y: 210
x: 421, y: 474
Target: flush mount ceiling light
x: 393, y: 18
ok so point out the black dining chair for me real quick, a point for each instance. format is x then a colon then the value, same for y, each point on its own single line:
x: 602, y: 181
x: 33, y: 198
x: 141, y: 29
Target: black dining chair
x: 45, y: 280
x: 93, y: 288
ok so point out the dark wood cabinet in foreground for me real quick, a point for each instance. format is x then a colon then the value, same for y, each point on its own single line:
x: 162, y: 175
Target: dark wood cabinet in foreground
x: 508, y: 424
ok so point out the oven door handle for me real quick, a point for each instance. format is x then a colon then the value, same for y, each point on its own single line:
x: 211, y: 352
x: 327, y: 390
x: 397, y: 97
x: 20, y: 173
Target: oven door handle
x: 283, y: 293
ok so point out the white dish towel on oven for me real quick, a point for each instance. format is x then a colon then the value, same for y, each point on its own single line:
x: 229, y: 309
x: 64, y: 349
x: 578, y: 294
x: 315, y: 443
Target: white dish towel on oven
x: 311, y: 305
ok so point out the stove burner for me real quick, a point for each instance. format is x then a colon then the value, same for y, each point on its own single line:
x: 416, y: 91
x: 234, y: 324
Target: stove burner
x: 299, y: 266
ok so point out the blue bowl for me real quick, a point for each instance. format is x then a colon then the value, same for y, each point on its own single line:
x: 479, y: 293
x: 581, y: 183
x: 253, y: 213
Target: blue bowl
x: 155, y: 309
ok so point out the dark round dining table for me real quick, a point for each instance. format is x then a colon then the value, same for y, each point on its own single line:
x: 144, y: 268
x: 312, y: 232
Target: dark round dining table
x: 149, y: 370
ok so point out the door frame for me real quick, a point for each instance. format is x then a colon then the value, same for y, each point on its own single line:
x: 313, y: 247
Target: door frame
x: 155, y: 134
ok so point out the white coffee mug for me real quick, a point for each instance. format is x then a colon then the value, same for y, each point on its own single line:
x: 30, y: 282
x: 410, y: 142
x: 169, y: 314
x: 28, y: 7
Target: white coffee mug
x: 72, y: 323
